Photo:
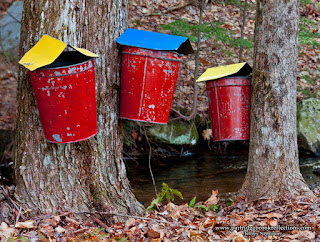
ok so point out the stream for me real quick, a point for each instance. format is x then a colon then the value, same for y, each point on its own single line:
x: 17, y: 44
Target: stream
x: 198, y: 175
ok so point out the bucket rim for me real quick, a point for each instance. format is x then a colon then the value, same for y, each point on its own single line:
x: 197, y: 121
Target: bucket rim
x: 61, y: 67
x: 215, y: 83
x: 73, y: 141
x: 232, y: 77
x: 172, y: 51
x: 153, y: 57
x: 144, y: 121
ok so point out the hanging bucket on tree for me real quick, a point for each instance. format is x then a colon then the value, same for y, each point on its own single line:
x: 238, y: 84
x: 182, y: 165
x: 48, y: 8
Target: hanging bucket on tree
x: 229, y: 101
x: 149, y: 73
x: 64, y: 86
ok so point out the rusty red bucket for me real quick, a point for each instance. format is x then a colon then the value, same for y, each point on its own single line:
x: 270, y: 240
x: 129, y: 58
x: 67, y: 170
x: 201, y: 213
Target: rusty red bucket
x: 66, y: 98
x: 229, y: 108
x: 148, y: 81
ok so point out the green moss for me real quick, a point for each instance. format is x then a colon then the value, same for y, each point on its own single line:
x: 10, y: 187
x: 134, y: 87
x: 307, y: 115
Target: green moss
x: 308, y: 124
x: 175, y: 133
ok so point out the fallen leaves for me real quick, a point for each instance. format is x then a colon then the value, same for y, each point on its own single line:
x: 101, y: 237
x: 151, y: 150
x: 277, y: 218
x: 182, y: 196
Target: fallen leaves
x: 207, y: 134
x: 213, y: 199
x: 25, y: 225
x: 264, y: 219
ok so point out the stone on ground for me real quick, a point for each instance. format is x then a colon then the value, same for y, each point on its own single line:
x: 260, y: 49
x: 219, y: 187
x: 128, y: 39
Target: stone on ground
x: 175, y: 133
x: 308, y: 124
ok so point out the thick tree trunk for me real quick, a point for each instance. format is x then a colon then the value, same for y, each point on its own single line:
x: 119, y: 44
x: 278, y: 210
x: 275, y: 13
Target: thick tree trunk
x: 273, y: 169
x: 88, y: 175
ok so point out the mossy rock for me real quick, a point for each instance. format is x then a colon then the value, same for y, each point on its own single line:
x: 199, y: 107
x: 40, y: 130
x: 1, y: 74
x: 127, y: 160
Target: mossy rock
x: 175, y: 133
x: 308, y: 124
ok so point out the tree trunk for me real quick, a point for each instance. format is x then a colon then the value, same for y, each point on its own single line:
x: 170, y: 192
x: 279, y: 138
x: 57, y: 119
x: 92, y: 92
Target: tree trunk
x: 273, y: 169
x: 88, y: 175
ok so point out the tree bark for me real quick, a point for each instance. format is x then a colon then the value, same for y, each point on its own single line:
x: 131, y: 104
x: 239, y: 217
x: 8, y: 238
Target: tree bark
x: 88, y: 175
x: 273, y: 169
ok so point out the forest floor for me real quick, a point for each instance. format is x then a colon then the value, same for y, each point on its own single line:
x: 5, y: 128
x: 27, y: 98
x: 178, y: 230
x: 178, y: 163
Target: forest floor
x: 211, y: 220
x: 261, y: 220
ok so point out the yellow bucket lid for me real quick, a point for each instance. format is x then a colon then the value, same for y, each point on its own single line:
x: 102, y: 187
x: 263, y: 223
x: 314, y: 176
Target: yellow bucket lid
x: 213, y: 73
x: 46, y: 51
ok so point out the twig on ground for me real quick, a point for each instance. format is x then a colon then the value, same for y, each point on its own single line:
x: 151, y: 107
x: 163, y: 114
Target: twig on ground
x: 271, y: 210
x: 142, y: 218
x: 7, y: 196
x: 101, y: 224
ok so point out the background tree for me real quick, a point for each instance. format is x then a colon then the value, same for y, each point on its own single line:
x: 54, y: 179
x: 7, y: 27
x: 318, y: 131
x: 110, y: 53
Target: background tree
x: 273, y: 169
x: 89, y: 175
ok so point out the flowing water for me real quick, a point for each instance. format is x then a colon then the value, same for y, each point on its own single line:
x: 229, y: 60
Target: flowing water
x: 198, y: 175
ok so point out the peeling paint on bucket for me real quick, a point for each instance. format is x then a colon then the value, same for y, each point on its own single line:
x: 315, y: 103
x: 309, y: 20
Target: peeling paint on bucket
x: 66, y: 98
x: 229, y: 108
x: 150, y: 69
x: 148, y: 81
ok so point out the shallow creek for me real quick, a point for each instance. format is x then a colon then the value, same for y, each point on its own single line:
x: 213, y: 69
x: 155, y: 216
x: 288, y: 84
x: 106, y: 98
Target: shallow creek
x: 198, y: 175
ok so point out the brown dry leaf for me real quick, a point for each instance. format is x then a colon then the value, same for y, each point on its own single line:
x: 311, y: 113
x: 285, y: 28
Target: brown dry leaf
x: 60, y: 230
x: 236, y: 220
x: 308, y: 235
x: 54, y: 221
x: 155, y: 231
x: 237, y: 237
x: 204, y: 61
x: 272, y: 222
x: 227, y: 26
x: 207, y: 134
x: 72, y: 222
x: 213, y: 200
x: 293, y: 236
x: 153, y: 234
x: 177, y: 212
x: 134, y: 134
x: 155, y: 240
x: 209, y: 223
x: 6, y: 231
x: 250, y: 216
x: 131, y: 222
x: 198, y: 237
x: 170, y: 207
x: 271, y: 215
x: 25, y: 225
x: 47, y: 230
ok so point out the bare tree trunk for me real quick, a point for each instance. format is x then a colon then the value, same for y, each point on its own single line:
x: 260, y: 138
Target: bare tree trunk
x: 88, y: 175
x: 273, y: 169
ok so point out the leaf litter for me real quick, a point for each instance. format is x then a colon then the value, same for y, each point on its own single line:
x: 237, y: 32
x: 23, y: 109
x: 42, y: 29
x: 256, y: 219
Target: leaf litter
x: 264, y: 219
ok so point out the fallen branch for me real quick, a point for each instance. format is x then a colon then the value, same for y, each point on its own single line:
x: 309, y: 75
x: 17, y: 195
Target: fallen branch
x: 138, y: 217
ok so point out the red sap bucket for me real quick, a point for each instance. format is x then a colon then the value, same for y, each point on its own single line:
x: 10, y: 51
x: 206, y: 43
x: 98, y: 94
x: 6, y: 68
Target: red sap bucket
x: 229, y: 108
x: 148, y: 81
x: 66, y: 98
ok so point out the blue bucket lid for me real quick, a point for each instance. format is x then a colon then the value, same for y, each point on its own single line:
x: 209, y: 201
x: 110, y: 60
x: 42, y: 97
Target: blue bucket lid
x: 155, y: 41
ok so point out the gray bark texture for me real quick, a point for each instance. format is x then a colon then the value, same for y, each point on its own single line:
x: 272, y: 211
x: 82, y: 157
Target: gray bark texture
x: 273, y: 169
x: 88, y: 175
